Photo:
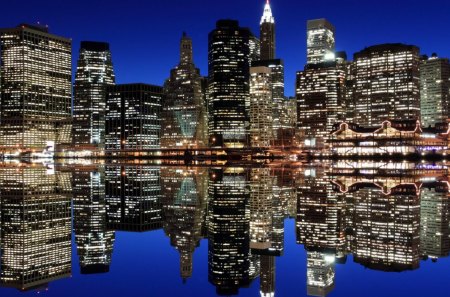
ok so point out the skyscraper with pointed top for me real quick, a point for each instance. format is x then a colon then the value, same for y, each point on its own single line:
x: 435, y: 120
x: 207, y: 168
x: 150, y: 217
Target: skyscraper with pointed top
x: 267, y: 33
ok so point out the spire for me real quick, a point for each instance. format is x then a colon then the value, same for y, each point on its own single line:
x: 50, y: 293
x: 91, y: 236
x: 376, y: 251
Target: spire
x: 267, y: 16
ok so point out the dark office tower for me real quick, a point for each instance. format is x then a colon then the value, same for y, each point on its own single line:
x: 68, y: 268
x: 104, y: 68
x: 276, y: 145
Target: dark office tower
x: 255, y: 49
x: 184, y: 113
x: 94, y: 74
x: 320, y: 92
x: 36, y: 84
x: 434, y: 221
x: 277, y: 88
x: 320, y: 41
x: 386, y: 228
x: 320, y: 272
x: 93, y: 240
x: 387, y: 84
x: 261, y: 210
x: 133, y: 198
x: 133, y: 117
x: 228, y: 85
x: 267, y: 276
x: 228, y: 230
x: 434, y: 90
x: 320, y: 217
x: 184, y: 209
x: 267, y: 34
x: 35, y: 227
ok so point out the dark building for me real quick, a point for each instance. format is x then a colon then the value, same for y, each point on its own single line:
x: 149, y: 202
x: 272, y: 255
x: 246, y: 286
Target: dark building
x: 387, y: 84
x: 267, y: 34
x: 133, y: 117
x: 228, y: 84
x: 36, y: 88
x: 94, y: 74
x: 93, y: 240
x: 184, y: 115
x: 133, y: 198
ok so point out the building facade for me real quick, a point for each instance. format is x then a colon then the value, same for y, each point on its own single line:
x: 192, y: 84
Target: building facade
x: 133, y: 118
x: 94, y: 74
x: 36, y: 89
x: 228, y: 85
x: 320, y: 41
x: 267, y: 34
x: 261, y: 121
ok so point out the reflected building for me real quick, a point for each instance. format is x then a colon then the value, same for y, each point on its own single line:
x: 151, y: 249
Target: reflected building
x: 228, y: 84
x: 184, y: 203
x: 320, y: 272
x: 35, y: 227
x: 133, y: 198
x: 36, y: 89
x: 93, y: 240
x: 184, y: 113
x: 94, y: 74
x: 434, y: 221
x: 228, y: 230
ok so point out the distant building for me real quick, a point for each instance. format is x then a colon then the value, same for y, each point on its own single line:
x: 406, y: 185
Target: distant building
x: 184, y: 111
x: 267, y: 34
x: 94, y: 74
x: 228, y: 84
x: 320, y: 273
x: 434, y: 90
x: 261, y: 121
x: 36, y: 89
x: 133, y: 118
x: 320, y: 41
x: 387, y: 84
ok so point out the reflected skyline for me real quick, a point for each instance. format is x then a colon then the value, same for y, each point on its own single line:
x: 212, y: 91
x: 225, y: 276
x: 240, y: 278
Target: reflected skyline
x: 388, y: 217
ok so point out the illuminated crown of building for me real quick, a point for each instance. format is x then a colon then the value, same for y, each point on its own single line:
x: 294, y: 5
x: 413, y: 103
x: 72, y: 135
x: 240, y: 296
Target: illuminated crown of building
x: 267, y: 16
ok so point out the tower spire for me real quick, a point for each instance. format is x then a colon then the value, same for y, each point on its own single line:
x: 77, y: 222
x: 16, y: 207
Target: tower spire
x: 267, y: 16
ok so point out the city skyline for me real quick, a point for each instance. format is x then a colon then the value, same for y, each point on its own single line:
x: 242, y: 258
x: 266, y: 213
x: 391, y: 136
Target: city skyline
x: 145, y: 62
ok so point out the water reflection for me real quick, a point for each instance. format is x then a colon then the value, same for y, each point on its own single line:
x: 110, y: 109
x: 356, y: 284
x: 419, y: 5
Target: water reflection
x: 387, y: 216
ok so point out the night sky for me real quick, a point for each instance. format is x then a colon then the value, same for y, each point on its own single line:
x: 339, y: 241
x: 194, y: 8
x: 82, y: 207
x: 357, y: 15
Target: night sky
x: 144, y: 35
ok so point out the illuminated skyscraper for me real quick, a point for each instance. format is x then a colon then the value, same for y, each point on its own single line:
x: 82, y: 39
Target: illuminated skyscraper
x: 320, y: 41
x: 93, y: 240
x: 133, y: 117
x: 36, y: 88
x: 320, y: 92
x: 261, y: 122
x: 434, y: 90
x: 267, y: 34
x: 94, y: 74
x: 35, y: 227
x: 133, y: 198
x: 320, y: 273
x: 184, y: 203
x: 387, y: 84
x: 228, y: 230
x: 184, y: 114
x: 228, y: 84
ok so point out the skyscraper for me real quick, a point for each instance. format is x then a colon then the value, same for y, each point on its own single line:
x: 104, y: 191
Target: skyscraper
x: 320, y: 273
x: 228, y: 84
x: 267, y: 34
x: 36, y: 88
x: 133, y: 117
x: 320, y: 41
x: 261, y: 121
x: 184, y: 112
x: 94, y: 74
x: 434, y: 90
x: 387, y: 84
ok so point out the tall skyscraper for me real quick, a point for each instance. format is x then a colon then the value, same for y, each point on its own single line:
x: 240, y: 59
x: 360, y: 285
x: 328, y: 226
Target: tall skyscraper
x: 267, y: 34
x: 184, y: 112
x: 94, y: 74
x: 320, y: 273
x: 93, y: 240
x: 133, y: 117
x: 434, y: 90
x: 387, y: 84
x: 35, y: 227
x: 320, y: 41
x: 228, y: 87
x: 36, y: 88
x: 261, y: 121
